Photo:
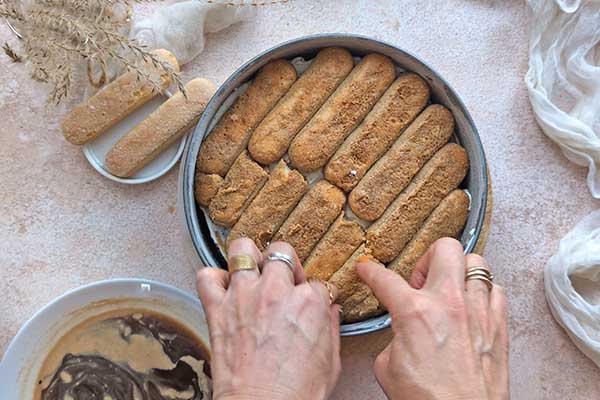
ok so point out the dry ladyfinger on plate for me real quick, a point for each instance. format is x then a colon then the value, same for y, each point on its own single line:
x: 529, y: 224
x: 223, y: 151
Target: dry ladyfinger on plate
x: 271, y: 206
x: 169, y: 122
x: 341, y: 113
x: 447, y: 220
x: 309, y: 221
x: 390, y: 175
x: 231, y: 134
x: 206, y: 187
x: 443, y: 173
x: 273, y: 135
x: 241, y: 184
x: 396, y: 109
x: 114, y: 102
x: 334, y: 248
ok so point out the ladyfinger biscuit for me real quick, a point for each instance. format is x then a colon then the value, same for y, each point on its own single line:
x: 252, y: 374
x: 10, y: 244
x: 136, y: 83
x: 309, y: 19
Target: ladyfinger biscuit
x: 273, y: 135
x: 271, y: 206
x: 341, y: 113
x: 447, y: 220
x: 173, y: 119
x: 242, y: 182
x: 334, y: 248
x: 347, y: 280
x: 396, y: 109
x: 206, y: 187
x: 114, y: 102
x: 390, y: 175
x: 231, y: 134
x: 388, y: 235
x: 362, y: 305
x: 311, y: 218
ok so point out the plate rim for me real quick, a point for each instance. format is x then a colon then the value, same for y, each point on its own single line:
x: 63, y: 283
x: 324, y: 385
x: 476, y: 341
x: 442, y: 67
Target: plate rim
x: 98, y: 165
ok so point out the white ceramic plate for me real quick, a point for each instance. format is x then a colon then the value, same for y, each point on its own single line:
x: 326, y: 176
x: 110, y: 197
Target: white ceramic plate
x: 28, y: 349
x: 95, y: 151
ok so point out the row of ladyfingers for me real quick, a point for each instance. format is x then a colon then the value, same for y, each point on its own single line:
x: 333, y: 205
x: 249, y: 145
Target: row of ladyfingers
x: 373, y: 137
x: 159, y: 130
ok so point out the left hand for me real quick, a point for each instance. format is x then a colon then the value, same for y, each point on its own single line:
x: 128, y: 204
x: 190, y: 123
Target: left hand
x: 273, y: 335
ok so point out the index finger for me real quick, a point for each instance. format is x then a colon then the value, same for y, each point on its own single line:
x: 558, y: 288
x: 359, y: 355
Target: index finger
x: 389, y: 287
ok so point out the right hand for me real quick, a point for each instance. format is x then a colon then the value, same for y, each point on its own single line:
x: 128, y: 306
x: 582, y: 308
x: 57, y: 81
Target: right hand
x: 450, y: 337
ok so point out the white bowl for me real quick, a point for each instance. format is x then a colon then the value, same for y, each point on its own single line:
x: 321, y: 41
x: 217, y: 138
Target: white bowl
x: 26, y: 353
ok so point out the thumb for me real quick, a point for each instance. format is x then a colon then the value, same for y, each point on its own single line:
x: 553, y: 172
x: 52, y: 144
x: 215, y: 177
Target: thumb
x: 388, y: 286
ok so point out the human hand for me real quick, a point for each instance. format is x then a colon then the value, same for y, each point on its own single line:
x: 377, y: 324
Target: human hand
x: 273, y: 335
x: 450, y: 337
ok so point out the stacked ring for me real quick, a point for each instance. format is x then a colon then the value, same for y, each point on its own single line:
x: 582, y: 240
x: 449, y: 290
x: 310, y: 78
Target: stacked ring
x: 482, y: 274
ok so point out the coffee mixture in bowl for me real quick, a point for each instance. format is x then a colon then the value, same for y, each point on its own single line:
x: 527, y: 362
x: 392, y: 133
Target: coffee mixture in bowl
x: 128, y: 354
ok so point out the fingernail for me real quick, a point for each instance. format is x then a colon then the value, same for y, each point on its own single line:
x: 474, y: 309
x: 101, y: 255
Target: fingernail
x: 363, y: 259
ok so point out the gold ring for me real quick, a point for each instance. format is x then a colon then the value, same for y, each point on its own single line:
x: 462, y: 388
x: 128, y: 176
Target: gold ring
x: 241, y: 263
x: 485, y: 279
x: 327, y: 286
x: 481, y: 270
x: 481, y: 274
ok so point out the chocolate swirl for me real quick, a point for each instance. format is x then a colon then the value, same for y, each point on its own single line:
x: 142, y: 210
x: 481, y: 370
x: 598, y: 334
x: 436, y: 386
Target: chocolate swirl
x: 90, y: 378
x: 93, y: 377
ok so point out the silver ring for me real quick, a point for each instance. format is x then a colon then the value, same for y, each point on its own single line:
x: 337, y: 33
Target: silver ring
x: 284, y: 258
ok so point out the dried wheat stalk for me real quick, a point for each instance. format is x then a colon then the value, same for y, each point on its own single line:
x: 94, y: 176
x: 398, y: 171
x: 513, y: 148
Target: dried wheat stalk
x: 56, y: 35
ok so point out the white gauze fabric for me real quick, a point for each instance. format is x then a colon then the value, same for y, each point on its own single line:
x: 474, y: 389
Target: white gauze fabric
x: 572, y: 285
x: 564, y: 78
x: 180, y: 27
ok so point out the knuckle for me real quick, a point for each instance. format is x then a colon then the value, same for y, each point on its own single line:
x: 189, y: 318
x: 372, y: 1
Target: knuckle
x: 454, y: 297
x: 273, y: 291
x: 456, y: 306
x: 307, y: 294
x: 204, y: 274
x: 416, y: 307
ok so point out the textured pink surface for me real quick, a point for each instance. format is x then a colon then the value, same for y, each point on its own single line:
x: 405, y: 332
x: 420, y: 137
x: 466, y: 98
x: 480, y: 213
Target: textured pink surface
x: 63, y: 225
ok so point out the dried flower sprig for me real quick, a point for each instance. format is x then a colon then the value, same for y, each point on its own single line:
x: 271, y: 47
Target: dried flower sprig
x: 56, y: 35
x: 11, y: 53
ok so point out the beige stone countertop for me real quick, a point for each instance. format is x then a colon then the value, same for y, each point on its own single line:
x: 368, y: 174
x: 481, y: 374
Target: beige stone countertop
x: 63, y: 225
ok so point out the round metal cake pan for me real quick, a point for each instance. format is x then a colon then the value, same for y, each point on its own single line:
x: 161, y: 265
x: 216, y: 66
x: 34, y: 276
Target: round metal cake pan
x: 198, y: 241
